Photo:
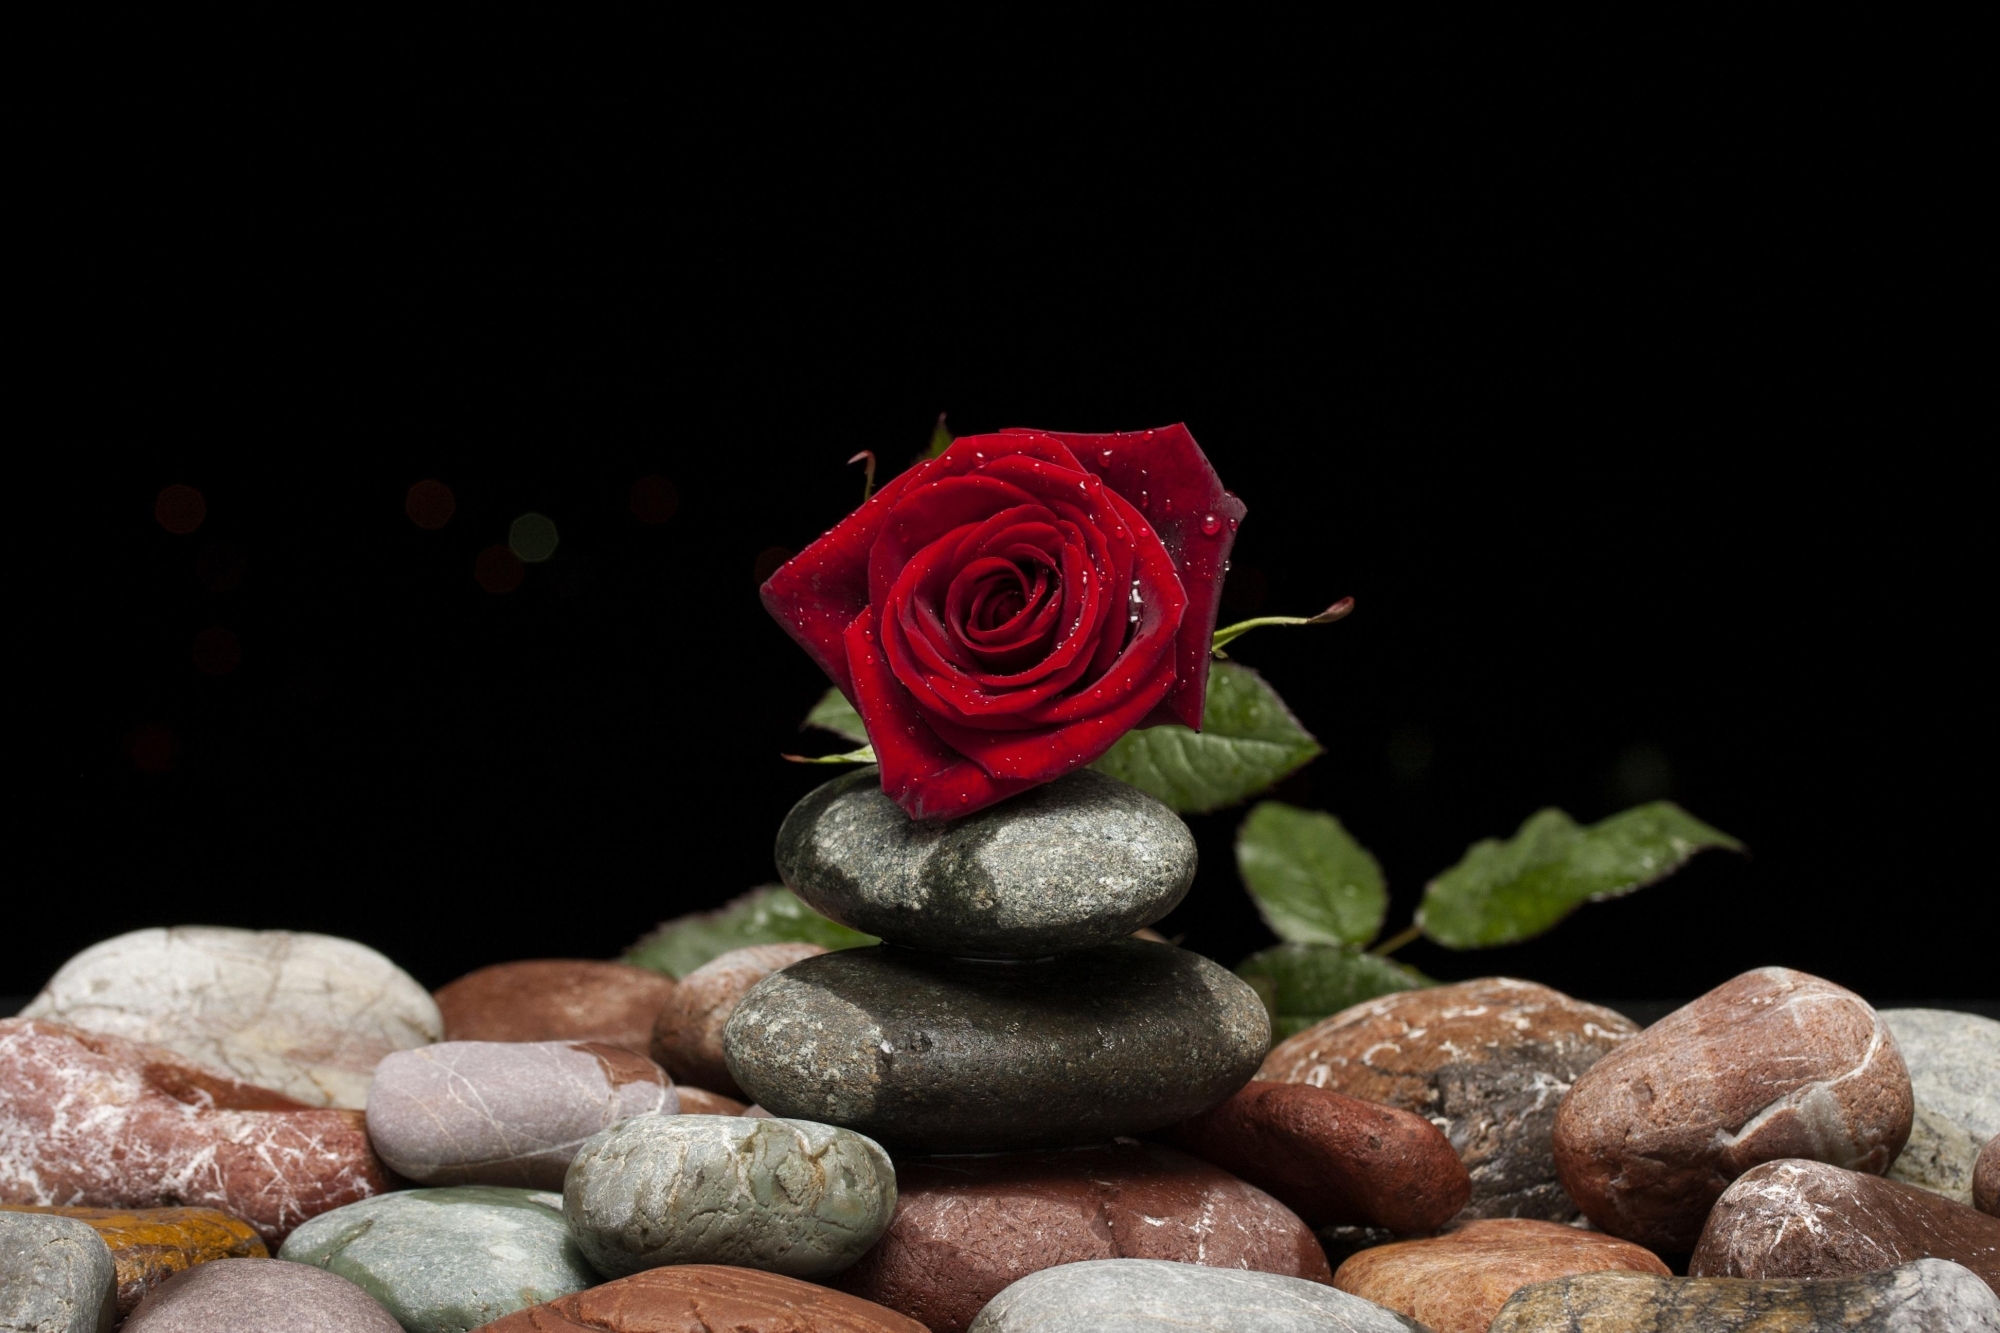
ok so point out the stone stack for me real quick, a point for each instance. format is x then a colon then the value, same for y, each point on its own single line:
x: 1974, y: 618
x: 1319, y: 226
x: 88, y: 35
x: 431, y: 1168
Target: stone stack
x: 1009, y: 1007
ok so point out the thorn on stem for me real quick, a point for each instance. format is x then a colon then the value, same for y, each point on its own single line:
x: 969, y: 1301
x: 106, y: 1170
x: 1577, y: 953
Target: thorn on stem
x: 868, y: 484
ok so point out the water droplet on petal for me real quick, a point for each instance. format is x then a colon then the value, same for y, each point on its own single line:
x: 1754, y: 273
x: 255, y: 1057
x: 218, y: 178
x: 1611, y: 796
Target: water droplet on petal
x: 964, y: 799
x: 1210, y: 525
x: 1167, y: 505
x: 1143, y: 502
x: 1232, y: 525
x: 1107, y: 455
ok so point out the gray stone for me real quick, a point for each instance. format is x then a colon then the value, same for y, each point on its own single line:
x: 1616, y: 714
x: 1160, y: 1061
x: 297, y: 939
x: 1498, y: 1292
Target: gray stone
x: 446, y: 1260
x: 785, y: 1196
x: 252, y: 1295
x: 1154, y: 1296
x: 1954, y: 1063
x: 1939, y: 1156
x: 1927, y: 1296
x: 1080, y: 861
x: 935, y: 1054
x: 505, y: 1112
x: 56, y: 1276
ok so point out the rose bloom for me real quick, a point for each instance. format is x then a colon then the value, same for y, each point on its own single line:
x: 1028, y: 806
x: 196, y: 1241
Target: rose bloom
x: 1001, y: 614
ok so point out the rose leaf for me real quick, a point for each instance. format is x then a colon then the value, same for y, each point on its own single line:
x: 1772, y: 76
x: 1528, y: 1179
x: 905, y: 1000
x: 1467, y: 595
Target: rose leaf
x: 833, y: 713
x: 1502, y: 892
x: 1312, y: 882
x: 1248, y: 741
x: 768, y: 915
x: 1303, y: 983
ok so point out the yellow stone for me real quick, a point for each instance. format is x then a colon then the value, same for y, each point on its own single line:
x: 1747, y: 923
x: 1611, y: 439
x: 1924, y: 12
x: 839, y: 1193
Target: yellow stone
x: 150, y: 1245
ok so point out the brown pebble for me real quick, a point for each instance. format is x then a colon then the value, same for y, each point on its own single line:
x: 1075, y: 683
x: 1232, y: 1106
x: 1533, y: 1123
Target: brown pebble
x: 556, y: 999
x: 687, y: 1034
x: 966, y: 1227
x: 700, y: 1101
x: 1772, y: 1064
x: 1986, y: 1178
x: 1808, y: 1219
x: 1457, y: 1282
x: 150, y: 1245
x: 1332, y: 1159
x: 101, y: 1122
x: 1484, y: 1060
x: 694, y: 1297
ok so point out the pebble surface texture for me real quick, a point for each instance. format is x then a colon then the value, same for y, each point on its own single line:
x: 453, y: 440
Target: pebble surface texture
x: 505, y: 1113
x: 56, y: 1276
x: 1769, y: 1065
x: 1486, y: 1061
x: 555, y: 999
x: 1153, y: 1296
x: 150, y: 1245
x: 707, y: 1298
x: 1808, y: 1219
x: 1954, y: 1064
x: 100, y: 1122
x: 784, y: 1196
x: 967, y: 1227
x: 700, y: 1101
x: 1332, y: 1159
x: 687, y: 1034
x: 1077, y: 862
x: 1939, y: 1156
x: 446, y: 1260
x: 935, y: 1054
x: 1457, y: 1282
x: 306, y: 1015
x: 1986, y: 1179
x: 252, y: 1295
x: 1928, y: 1296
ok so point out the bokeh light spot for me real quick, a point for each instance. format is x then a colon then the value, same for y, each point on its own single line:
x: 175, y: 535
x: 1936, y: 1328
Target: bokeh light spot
x: 653, y: 499
x: 532, y: 537
x: 430, y: 505
x: 180, y: 509
x: 498, y: 569
x: 151, y: 749
x: 217, y: 652
x: 768, y: 560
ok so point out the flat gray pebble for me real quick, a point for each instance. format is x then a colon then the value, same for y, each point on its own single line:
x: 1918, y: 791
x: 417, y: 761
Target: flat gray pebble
x: 1080, y: 861
x: 1954, y: 1063
x: 1154, y: 1296
x: 785, y: 1196
x: 447, y: 1260
x: 252, y: 1295
x: 56, y: 1275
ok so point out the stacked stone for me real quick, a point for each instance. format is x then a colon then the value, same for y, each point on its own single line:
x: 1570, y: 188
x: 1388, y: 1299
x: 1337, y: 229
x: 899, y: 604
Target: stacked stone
x: 1009, y: 1008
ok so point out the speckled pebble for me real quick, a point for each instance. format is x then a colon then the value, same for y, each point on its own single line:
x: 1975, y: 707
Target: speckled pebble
x: 255, y: 1295
x: 56, y: 1276
x: 1954, y: 1064
x: 1156, y: 1296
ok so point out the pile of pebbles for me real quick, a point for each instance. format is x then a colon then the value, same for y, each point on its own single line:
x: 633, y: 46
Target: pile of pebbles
x: 1014, y: 1115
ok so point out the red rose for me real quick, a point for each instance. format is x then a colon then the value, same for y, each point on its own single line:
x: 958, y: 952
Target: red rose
x: 1001, y: 614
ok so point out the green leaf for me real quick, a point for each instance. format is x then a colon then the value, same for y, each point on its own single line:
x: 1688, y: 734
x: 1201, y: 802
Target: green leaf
x: 1513, y: 890
x: 1313, y: 883
x: 769, y: 915
x: 940, y: 437
x: 864, y: 755
x: 833, y: 713
x: 1303, y: 983
x: 1248, y: 741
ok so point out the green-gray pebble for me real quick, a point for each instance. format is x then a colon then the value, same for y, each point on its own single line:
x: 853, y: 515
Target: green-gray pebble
x: 804, y: 1200
x: 56, y: 1275
x: 936, y: 1054
x: 1077, y: 862
x: 1155, y: 1296
x: 448, y: 1260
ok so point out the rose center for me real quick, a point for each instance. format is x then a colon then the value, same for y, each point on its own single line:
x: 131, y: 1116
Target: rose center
x: 1003, y: 611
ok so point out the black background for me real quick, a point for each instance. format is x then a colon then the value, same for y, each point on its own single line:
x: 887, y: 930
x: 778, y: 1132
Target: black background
x: 1621, y: 412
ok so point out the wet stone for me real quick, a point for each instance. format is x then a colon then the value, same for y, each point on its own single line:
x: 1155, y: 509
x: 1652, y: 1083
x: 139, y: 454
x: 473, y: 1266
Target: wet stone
x: 246, y: 1294
x: 505, y: 1113
x: 1334, y: 1160
x: 1773, y: 1064
x: 1077, y: 862
x: 1486, y: 1061
x: 784, y: 1196
x: 967, y: 1227
x: 150, y: 1245
x: 687, y: 1033
x: 1457, y: 1282
x: 446, y: 1260
x: 933, y: 1054
x: 714, y: 1297
x: 1809, y: 1219
x: 1154, y: 1296
x: 555, y: 999
x: 56, y: 1275
x: 1926, y: 1296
